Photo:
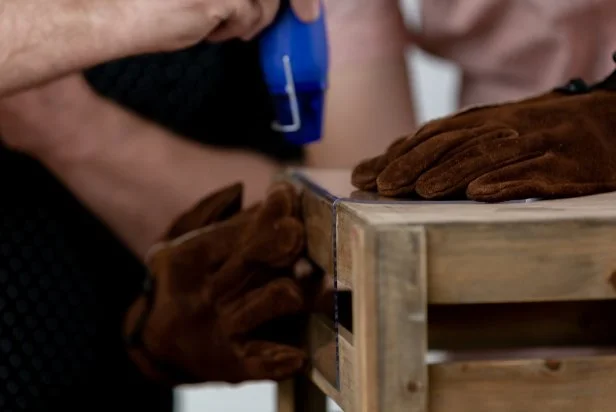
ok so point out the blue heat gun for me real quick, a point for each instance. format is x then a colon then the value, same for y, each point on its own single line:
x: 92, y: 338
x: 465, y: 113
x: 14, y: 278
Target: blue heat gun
x: 295, y: 62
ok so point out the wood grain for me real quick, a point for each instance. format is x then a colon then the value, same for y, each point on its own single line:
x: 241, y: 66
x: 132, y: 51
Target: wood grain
x: 563, y: 385
x: 401, y: 285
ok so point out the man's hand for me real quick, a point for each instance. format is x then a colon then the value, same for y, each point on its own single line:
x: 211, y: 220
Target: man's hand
x: 41, y: 40
x: 559, y: 144
x: 131, y: 173
x: 49, y: 120
x: 220, y: 281
x: 181, y: 23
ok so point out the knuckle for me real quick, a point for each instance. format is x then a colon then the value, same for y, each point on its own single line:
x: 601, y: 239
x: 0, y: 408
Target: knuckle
x: 215, y: 15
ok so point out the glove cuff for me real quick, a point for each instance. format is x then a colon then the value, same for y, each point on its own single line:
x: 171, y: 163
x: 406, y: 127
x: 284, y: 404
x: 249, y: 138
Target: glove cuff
x: 579, y: 86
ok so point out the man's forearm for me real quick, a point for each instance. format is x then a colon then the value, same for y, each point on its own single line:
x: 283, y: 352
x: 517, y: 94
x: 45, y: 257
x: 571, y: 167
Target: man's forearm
x: 138, y: 178
x: 41, y: 40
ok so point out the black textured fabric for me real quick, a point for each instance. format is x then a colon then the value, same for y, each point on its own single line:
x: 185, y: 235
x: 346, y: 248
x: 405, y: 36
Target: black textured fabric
x: 64, y: 284
x: 211, y: 93
x: 65, y: 281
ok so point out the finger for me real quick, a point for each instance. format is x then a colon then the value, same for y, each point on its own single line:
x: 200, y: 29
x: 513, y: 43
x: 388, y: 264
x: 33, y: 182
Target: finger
x: 256, y: 276
x: 488, y: 136
x: 271, y: 361
x: 516, y: 181
x: 400, y: 176
x: 272, y: 239
x: 280, y: 297
x: 217, y: 206
x: 456, y: 121
x: 452, y: 176
x: 200, y: 251
x: 269, y: 256
x: 435, y: 128
x: 282, y: 201
x: 269, y: 9
x: 533, y: 178
x: 366, y: 172
x: 443, y: 126
x: 245, y: 15
x: 278, y: 246
x: 306, y: 10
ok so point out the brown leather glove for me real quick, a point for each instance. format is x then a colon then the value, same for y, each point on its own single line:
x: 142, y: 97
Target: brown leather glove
x: 219, y: 282
x: 559, y: 144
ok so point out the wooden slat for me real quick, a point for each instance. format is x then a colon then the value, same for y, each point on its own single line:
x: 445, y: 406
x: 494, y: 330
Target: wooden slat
x: 552, y: 382
x: 566, y: 385
x: 347, y: 235
x: 365, y: 321
x: 390, y: 312
x: 300, y: 395
x: 522, y: 262
x: 323, y: 372
x: 318, y: 218
x: 401, y: 284
x: 322, y: 348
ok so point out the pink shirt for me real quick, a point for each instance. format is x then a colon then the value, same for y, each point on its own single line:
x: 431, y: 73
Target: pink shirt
x: 509, y: 49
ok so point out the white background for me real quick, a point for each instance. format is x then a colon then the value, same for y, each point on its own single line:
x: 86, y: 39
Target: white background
x: 435, y: 85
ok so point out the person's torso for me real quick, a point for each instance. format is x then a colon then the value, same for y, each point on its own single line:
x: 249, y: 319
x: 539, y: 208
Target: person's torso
x: 65, y: 280
x: 510, y: 49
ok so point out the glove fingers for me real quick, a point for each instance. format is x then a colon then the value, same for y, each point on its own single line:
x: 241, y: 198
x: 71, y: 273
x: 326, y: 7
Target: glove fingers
x: 282, y: 200
x: 489, y: 136
x: 444, y: 125
x: 277, y: 235
x: 273, y: 239
x: 280, y: 297
x: 365, y: 173
x: 451, y: 177
x: 198, y: 252
x: 279, y: 245
x: 216, y: 207
x: 528, y: 179
x: 399, y: 177
x: 272, y: 361
x: 262, y: 259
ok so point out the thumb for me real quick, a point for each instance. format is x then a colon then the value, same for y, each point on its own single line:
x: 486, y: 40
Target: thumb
x: 306, y: 10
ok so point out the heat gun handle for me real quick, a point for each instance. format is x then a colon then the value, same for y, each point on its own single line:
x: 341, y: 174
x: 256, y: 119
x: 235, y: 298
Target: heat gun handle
x: 295, y: 62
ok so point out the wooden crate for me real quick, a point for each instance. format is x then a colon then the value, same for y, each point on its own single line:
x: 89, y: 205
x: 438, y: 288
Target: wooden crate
x: 518, y: 299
